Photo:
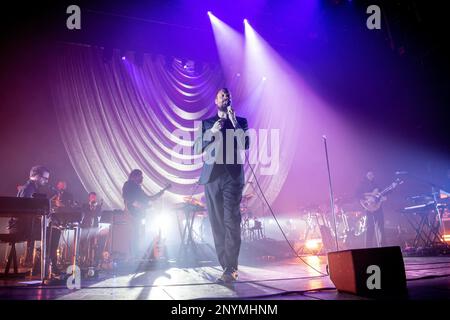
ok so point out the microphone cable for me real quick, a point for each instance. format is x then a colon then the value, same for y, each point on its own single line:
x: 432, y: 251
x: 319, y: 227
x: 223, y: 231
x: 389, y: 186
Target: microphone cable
x: 278, y: 224
x: 274, y: 216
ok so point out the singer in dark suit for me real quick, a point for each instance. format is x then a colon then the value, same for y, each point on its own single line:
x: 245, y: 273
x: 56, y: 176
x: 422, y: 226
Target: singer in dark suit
x: 222, y: 139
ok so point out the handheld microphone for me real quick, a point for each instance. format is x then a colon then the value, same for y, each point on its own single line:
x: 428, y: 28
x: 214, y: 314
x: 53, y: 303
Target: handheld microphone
x: 230, y: 113
x: 228, y: 104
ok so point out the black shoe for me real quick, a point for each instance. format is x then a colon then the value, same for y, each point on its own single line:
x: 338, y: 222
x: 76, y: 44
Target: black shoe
x: 55, y: 271
x: 228, y: 276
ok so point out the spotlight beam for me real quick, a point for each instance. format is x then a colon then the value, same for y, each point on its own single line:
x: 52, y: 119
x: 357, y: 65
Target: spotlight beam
x: 230, y: 46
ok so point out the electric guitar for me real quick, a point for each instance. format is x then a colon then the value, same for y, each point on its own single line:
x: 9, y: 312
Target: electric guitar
x: 135, y: 208
x: 372, y: 200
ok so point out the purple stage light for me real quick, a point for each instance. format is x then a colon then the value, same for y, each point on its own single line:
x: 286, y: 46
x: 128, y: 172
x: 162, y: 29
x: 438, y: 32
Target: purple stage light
x: 123, y: 58
x: 213, y: 18
x: 245, y: 21
x: 230, y: 46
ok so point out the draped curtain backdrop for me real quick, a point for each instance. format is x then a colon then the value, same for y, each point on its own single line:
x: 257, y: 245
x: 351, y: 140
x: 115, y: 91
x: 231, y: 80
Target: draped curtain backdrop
x: 117, y: 115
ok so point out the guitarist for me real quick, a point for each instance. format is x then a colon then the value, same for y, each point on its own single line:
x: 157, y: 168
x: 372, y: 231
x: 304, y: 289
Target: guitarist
x: 375, y: 234
x: 136, y: 202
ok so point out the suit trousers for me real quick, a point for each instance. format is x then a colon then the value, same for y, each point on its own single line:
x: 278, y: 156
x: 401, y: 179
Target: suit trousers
x: 223, y: 197
x: 375, y: 236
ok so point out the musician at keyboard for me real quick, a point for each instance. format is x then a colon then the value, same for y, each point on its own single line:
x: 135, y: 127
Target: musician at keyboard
x: 29, y: 228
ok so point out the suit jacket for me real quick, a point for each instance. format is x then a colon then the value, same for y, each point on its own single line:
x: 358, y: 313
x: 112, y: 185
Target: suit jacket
x: 217, y: 155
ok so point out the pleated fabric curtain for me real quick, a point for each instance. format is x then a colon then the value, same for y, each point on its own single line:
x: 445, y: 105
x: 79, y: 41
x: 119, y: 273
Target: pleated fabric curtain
x: 118, y: 115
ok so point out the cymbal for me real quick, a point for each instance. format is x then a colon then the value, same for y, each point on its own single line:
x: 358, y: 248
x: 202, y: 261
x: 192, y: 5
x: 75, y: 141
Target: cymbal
x: 193, y: 200
x: 187, y: 199
x: 197, y: 202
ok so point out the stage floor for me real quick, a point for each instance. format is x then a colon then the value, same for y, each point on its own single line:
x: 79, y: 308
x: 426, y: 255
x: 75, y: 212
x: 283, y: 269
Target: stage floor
x: 428, y: 278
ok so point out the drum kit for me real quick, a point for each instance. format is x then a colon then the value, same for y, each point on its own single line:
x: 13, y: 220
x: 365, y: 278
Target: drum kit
x: 251, y: 225
x: 196, y: 226
x: 350, y: 224
x: 350, y: 221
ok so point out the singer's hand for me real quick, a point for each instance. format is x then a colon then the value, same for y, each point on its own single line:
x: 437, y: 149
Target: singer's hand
x: 218, y: 125
x: 232, y: 116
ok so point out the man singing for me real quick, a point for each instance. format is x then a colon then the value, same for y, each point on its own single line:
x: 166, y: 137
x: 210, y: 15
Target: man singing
x: 223, y: 137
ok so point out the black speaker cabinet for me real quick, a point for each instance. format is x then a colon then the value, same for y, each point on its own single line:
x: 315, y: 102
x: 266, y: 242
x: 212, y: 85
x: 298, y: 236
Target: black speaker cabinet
x: 373, y: 272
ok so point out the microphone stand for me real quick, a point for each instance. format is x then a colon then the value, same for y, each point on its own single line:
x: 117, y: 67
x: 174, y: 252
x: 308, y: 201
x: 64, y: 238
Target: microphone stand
x: 331, y: 192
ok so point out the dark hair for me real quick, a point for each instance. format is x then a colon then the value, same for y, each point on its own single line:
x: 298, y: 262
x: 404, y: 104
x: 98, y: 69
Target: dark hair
x: 226, y: 90
x: 38, y: 170
x: 134, y: 174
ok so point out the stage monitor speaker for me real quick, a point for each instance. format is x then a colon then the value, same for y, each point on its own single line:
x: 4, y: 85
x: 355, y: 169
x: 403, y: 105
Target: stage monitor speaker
x: 373, y: 272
